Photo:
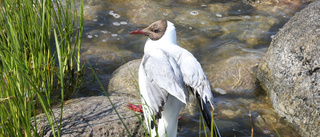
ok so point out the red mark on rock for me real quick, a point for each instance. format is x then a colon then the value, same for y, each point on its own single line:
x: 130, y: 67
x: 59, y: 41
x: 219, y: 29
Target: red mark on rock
x: 136, y: 108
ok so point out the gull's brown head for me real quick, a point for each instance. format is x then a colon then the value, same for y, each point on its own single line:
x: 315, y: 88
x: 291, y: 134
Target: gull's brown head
x: 155, y: 31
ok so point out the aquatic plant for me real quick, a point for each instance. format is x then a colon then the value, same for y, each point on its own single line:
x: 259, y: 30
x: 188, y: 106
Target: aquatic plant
x: 39, y: 45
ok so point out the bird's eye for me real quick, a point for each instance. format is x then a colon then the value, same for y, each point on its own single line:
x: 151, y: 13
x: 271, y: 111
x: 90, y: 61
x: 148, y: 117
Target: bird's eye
x: 156, y: 30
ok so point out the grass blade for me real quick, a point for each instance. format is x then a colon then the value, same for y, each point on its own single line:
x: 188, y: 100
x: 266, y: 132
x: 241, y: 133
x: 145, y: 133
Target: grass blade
x: 101, y: 86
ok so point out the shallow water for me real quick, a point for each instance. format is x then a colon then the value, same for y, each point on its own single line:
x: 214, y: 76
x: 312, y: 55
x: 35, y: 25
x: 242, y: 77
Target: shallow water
x: 223, y: 35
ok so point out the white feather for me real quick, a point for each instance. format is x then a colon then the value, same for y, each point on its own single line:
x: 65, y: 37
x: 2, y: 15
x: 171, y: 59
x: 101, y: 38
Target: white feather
x: 164, y: 70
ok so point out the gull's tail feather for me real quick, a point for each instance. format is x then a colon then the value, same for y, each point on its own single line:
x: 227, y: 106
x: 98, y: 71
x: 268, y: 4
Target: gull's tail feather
x: 207, y: 115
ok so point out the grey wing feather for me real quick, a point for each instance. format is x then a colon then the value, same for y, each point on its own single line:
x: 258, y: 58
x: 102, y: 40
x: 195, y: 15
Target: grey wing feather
x: 194, y: 76
x: 163, y: 78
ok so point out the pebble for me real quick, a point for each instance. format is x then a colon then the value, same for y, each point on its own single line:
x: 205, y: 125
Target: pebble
x: 218, y: 15
x: 266, y: 131
x: 104, y: 31
x: 221, y: 91
x: 123, y: 23
x: 116, y: 23
x: 115, y: 15
x: 194, y: 12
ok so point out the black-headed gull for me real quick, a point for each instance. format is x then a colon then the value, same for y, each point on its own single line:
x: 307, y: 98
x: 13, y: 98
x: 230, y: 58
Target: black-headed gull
x: 166, y: 75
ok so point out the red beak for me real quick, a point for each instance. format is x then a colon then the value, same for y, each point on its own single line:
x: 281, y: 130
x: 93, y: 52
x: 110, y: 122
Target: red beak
x: 137, y: 32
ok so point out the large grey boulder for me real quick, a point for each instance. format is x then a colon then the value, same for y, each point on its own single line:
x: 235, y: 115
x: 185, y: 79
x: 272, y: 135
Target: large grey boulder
x: 290, y: 71
x: 94, y: 117
x: 124, y: 80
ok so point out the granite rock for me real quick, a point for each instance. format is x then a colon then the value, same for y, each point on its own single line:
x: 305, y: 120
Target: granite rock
x: 290, y: 71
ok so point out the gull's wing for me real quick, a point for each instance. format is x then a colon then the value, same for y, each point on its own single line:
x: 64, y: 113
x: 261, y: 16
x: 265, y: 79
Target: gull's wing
x: 194, y: 76
x: 162, y: 77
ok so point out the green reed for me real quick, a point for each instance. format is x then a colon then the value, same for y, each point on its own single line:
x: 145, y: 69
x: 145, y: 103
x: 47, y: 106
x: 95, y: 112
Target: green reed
x: 39, y: 43
x: 107, y: 95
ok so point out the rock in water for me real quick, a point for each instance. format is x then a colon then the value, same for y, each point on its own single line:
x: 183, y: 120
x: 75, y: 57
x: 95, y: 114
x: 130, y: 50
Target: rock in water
x: 290, y: 71
x: 124, y: 81
x: 94, y: 117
